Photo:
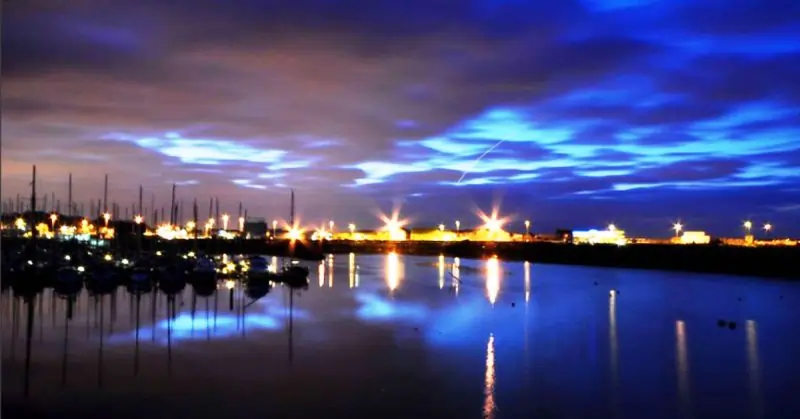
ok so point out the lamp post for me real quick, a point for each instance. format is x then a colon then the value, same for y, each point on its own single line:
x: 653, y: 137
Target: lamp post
x: 331, y: 224
x: 748, y: 225
x: 53, y: 219
x: 527, y: 229
x: 767, y: 228
x: 458, y: 226
x: 352, y: 228
x: 274, y: 228
x: 225, y: 218
x: 677, y: 227
x: 106, y: 218
x: 138, y: 220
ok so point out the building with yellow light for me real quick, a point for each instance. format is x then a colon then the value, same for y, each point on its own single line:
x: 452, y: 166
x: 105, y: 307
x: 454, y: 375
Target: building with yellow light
x: 693, y: 237
x: 610, y: 236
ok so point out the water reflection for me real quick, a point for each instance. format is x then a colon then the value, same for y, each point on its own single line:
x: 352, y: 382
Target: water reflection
x: 613, y: 351
x: 131, y: 343
x: 492, y: 279
x: 393, y: 271
x: 330, y: 270
x: 682, y: 367
x: 489, y: 406
x: 441, y: 271
x: 754, y: 369
x: 527, y: 268
x: 351, y: 269
x: 321, y: 273
x: 456, y: 273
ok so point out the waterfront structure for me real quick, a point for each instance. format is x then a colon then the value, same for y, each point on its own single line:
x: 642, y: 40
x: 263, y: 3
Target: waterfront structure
x: 694, y: 237
x: 610, y: 236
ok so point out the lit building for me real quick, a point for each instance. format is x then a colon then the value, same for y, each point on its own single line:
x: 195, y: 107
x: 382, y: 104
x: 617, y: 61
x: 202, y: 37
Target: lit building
x: 695, y: 237
x: 611, y: 236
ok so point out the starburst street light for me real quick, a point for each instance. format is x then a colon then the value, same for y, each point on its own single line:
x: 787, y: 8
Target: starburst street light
x: 767, y: 227
x: 527, y: 227
x: 748, y: 225
x: 138, y: 219
x: 53, y: 219
x: 106, y: 218
x: 677, y: 227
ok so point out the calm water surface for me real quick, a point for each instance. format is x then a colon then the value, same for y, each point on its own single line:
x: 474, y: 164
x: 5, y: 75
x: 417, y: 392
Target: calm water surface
x: 400, y: 337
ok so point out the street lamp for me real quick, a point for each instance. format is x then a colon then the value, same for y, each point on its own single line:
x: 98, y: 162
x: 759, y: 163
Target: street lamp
x: 458, y: 226
x: 677, y: 227
x: 441, y: 227
x: 527, y: 227
x: 331, y: 224
x: 53, y: 218
x: 748, y: 226
x: 106, y: 218
x: 274, y: 228
x: 138, y: 219
x: 225, y: 218
x: 767, y: 228
x: 241, y: 223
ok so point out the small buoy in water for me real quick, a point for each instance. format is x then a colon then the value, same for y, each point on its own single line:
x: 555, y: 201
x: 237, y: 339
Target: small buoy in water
x: 721, y: 323
x: 732, y: 325
x: 513, y: 304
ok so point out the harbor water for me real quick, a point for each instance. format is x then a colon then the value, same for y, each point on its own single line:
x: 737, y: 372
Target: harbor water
x: 392, y: 336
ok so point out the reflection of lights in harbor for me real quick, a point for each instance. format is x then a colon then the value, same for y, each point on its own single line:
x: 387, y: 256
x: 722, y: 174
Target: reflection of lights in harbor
x: 527, y: 266
x: 492, y: 278
x: 441, y: 271
x: 682, y: 365
x: 351, y: 269
x: 754, y: 368
x: 489, y: 406
x: 456, y: 273
x: 613, y: 346
x: 374, y: 308
x: 392, y: 271
x: 321, y: 273
x: 330, y: 270
x: 273, y: 265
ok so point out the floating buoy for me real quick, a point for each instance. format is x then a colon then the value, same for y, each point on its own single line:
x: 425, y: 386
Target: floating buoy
x: 513, y: 304
x: 721, y: 323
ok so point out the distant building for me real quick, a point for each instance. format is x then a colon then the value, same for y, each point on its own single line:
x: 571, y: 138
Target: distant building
x: 256, y: 228
x: 599, y: 237
x: 695, y: 237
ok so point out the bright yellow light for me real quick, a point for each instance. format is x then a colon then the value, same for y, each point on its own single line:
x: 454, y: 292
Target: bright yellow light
x: 138, y: 219
x: 210, y: 222
x: 394, y: 225
x: 295, y: 233
x: 767, y: 227
x: 527, y: 223
x: 677, y: 227
x: 493, y: 223
x: 108, y: 257
x: 229, y: 284
x: 20, y: 224
x: 190, y: 225
x: 352, y: 227
x: 441, y: 271
x: 392, y: 271
x: 748, y: 225
x: 225, y: 218
x: 492, y: 278
x: 441, y: 227
x: 106, y: 216
x: 53, y: 218
x: 84, y: 223
x: 241, y: 223
x: 612, y: 227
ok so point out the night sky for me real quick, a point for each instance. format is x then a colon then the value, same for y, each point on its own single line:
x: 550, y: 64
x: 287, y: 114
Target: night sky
x: 635, y: 112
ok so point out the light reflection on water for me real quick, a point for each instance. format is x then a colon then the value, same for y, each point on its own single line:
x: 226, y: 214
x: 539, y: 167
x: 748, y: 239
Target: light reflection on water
x: 401, y: 335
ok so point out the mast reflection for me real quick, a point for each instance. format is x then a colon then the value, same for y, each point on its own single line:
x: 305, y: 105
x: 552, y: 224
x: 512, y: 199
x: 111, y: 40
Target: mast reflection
x: 492, y: 279
x: 682, y: 366
x: 754, y: 369
x: 321, y: 273
x: 489, y: 406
